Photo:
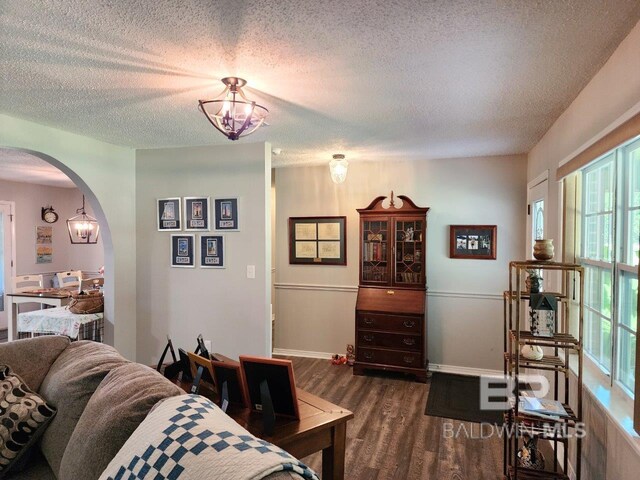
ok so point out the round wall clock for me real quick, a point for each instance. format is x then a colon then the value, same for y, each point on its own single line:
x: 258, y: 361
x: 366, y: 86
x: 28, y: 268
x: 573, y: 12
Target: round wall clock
x: 49, y: 215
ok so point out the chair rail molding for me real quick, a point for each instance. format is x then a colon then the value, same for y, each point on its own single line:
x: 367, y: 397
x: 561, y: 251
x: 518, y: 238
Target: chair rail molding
x: 354, y: 289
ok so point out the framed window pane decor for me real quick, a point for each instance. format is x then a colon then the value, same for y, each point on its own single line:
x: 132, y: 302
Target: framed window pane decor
x: 169, y: 214
x: 182, y: 250
x: 318, y: 240
x: 473, y: 241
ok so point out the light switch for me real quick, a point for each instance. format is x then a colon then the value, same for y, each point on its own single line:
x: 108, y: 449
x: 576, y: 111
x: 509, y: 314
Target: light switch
x: 251, y: 271
x: 207, y: 345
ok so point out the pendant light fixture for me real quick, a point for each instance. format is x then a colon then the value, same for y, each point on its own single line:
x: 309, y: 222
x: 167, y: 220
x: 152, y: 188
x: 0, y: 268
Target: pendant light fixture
x: 83, y: 228
x: 232, y: 113
x: 338, y: 168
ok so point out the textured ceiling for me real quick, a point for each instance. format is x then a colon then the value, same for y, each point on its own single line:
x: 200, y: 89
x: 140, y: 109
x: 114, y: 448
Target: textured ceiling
x: 372, y: 79
x: 17, y: 166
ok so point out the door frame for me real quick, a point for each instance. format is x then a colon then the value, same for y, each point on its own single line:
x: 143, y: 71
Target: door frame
x: 12, y: 267
x: 543, y: 177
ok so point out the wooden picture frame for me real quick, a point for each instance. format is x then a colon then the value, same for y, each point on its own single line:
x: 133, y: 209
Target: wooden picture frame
x: 476, y: 242
x: 318, y: 240
x: 169, y: 214
x: 196, y: 361
x: 197, y: 214
x: 231, y: 372
x: 282, y: 384
x: 183, y: 250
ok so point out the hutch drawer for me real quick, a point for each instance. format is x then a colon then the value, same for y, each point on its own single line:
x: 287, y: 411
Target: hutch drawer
x: 394, y: 323
x: 397, y: 341
x: 389, y: 357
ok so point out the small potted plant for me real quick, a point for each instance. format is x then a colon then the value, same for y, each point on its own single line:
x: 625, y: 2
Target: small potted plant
x: 533, y: 283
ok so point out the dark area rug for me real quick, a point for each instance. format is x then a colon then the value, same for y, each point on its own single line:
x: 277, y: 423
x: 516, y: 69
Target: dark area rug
x: 458, y: 397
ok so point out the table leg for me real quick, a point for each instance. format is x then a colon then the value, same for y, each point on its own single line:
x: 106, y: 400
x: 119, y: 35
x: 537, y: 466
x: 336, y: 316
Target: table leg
x: 12, y: 324
x: 333, y: 456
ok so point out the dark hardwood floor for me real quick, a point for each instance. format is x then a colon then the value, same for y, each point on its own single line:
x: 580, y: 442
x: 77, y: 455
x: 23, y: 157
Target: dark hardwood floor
x: 390, y: 436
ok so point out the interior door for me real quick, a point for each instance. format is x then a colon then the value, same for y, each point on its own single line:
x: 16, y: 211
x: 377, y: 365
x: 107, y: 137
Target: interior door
x: 6, y: 258
x: 537, y: 201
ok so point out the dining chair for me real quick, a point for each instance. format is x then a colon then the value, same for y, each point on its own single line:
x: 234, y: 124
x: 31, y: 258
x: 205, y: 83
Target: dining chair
x: 69, y: 279
x: 24, y: 283
x: 91, y: 283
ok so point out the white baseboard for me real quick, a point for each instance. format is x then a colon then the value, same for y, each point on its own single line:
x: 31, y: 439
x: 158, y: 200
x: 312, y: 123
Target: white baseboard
x: 434, y: 367
x: 476, y: 372
x: 302, y: 353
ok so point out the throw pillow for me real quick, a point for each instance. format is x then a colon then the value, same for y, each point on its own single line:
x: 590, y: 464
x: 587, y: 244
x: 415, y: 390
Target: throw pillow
x: 24, y: 416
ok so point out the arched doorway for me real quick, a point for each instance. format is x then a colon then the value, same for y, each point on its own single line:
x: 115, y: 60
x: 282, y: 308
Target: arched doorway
x: 24, y: 157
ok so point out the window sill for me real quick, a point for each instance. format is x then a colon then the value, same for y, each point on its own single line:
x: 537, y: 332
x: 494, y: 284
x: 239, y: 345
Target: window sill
x: 617, y: 405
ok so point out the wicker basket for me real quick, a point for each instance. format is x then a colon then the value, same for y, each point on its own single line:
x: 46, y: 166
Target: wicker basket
x: 87, y: 302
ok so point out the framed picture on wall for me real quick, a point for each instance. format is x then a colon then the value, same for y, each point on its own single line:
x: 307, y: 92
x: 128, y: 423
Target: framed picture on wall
x: 473, y: 241
x: 318, y: 240
x: 226, y: 214
x: 169, y: 214
x: 182, y: 250
x: 212, y: 251
x: 197, y: 213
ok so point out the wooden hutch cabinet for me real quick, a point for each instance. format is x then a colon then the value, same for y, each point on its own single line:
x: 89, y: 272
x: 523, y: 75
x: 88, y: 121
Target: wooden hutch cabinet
x: 391, y: 306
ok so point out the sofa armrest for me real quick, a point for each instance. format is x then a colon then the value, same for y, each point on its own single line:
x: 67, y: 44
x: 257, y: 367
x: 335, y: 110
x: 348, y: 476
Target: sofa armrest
x: 31, y: 358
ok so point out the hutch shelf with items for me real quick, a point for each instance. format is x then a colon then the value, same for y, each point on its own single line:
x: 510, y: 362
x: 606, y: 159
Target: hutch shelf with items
x: 391, y: 306
x: 560, y: 337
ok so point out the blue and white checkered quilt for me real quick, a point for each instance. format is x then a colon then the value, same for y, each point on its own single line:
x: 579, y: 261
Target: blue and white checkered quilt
x: 190, y: 438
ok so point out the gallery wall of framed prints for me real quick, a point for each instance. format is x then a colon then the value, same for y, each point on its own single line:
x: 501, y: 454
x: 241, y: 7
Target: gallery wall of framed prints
x: 193, y: 214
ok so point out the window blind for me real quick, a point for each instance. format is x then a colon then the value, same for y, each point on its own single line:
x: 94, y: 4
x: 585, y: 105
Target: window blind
x: 628, y: 130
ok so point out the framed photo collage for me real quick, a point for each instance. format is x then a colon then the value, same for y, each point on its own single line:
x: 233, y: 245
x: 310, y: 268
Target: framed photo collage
x: 194, y: 214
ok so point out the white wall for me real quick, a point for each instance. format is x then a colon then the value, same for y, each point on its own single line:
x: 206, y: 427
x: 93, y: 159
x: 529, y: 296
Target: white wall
x: 315, y: 304
x: 105, y: 173
x: 612, y: 93
x: 29, y: 200
x: 224, y: 305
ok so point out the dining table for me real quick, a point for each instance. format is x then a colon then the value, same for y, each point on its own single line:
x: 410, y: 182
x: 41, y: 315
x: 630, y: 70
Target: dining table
x: 56, y: 297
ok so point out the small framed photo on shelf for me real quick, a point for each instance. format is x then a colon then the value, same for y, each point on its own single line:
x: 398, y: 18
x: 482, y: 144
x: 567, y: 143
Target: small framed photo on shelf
x: 226, y: 214
x: 212, y: 251
x: 473, y: 241
x: 277, y: 374
x: 197, y: 213
x: 169, y: 215
x: 182, y: 250
x: 318, y: 240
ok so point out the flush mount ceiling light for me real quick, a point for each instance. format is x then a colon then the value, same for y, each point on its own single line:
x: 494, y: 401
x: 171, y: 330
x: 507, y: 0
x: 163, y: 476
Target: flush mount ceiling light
x: 231, y: 112
x: 338, y: 168
x: 83, y: 228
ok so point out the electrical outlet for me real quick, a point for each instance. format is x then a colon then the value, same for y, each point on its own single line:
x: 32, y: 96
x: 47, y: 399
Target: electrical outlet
x: 251, y: 271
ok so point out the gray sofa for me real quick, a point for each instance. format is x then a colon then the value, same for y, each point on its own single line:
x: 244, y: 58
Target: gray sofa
x: 101, y: 399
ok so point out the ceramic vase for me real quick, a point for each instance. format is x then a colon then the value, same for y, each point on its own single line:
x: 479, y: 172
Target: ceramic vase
x: 543, y: 250
x: 532, y: 352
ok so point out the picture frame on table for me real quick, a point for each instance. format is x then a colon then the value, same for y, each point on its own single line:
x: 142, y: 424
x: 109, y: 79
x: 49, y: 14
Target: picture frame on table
x: 183, y: 250
x: 197, y: 214
x: 277, y: 374
x: 169, y: 214
x: 230, y: 373
x: 478, y: 242
x: 212, y: 253
x: 227, y: 217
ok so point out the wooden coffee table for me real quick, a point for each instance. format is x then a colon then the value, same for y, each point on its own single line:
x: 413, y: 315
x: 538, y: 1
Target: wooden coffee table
x: 322, y: 426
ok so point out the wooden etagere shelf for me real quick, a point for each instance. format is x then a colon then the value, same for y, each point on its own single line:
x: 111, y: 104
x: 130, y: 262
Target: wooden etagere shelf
x: 557, y: 349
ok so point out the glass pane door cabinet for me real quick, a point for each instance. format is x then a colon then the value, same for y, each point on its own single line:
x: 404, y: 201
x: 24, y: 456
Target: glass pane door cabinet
x: 391, y: 305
